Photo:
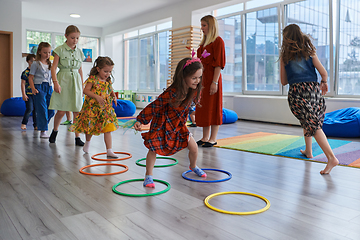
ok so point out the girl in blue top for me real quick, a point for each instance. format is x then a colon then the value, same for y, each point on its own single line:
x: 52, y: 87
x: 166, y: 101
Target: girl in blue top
x: 298, y: 61
x: 40, y: 83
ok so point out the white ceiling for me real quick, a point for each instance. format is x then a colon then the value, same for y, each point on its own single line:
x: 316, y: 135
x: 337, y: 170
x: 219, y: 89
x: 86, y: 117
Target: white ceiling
x: 95, y: 13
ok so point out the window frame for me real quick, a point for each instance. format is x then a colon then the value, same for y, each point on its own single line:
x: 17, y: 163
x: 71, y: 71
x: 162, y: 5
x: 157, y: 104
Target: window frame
x: 280, y: 92
x: 334, y: 52
x: 53, y: 40
x: 156, y: 49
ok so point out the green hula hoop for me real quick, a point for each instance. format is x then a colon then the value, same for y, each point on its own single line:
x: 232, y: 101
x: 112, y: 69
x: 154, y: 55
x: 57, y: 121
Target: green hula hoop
x: 165, y: 165
x: 140, y: 195
x: 237, y: 213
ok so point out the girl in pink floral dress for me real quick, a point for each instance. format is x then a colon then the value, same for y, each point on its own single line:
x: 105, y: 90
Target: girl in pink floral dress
x: 97, y: 114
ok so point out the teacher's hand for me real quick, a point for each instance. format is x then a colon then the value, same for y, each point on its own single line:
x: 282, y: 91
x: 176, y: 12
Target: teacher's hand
x: 213, y: 88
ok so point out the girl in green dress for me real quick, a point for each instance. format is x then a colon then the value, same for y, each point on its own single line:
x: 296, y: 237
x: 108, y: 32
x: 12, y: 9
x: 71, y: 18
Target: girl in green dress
x: 68, y: 82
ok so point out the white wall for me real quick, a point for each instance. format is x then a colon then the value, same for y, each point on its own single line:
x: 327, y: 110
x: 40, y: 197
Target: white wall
x: 10, y: 21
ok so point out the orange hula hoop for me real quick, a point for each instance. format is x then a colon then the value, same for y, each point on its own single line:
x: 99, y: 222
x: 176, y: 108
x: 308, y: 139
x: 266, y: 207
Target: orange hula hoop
x: 109, y: 160
x: 104, y: 164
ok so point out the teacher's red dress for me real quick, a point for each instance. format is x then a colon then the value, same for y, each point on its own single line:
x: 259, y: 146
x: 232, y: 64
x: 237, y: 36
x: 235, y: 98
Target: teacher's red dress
x: 210, y: 111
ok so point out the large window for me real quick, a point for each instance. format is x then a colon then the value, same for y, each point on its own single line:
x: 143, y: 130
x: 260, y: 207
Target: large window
x: 230, y: 31
x: 349, y: 48
x: 335, y: 32
x: 163, y: 59
x: 262, y: 53
x: 312, y: 16
x: 146, y: 58
x: 84, y: 43
x: 147, y: 64
x: 33, y: 38
x: 131, y: 64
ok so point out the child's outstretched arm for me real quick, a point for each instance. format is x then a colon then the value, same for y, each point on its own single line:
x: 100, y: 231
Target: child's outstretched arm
x: 323, y: 73
x: 88, y: 92
x: 137, y: 126
x: 283, y: 76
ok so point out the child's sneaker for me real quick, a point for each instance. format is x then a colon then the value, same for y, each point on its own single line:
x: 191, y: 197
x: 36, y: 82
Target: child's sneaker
x: 198, y: 171
x: 67, y: 122
x: 149, y: 182
x: 44, y: 135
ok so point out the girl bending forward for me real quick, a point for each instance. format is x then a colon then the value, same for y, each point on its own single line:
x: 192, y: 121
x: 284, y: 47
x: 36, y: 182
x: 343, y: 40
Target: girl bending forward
x: 168, y: 115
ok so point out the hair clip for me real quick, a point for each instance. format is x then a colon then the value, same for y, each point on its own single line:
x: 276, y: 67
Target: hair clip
x: 194, y: 59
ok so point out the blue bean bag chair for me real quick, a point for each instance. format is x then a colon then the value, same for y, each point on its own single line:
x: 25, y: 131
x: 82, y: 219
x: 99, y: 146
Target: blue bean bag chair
x: 13, y: 107
x: 342, y: 123
x: 229, y: 116
x: 124, y: 108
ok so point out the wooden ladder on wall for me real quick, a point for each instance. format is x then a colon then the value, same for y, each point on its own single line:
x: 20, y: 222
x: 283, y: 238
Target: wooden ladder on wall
x: 181, y: 38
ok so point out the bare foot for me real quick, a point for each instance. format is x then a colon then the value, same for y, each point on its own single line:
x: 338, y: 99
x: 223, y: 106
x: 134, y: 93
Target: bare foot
x: 330, y: 165
x: 308, y: 155
x: 23, y: 127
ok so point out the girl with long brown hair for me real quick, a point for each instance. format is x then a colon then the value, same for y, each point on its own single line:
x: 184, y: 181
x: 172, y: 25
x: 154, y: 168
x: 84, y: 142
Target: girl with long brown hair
x: 97, y: 114
x: 168, y: 114
x: 298, y: 61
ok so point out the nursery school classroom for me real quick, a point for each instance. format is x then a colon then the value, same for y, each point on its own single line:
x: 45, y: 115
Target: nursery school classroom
x: 258, y: 185
x: 41, y: 188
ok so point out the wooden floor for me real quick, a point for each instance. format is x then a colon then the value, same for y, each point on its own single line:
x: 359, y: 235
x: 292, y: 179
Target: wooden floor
x: 43, y: 195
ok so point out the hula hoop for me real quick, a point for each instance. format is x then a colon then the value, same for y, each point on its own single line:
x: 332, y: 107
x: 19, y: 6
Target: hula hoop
x: 112, y: 159
x: 211, y: 181
x: 165, y: 165
x: 237, y: 213
x: 104, y: 164
x: 140, y: 195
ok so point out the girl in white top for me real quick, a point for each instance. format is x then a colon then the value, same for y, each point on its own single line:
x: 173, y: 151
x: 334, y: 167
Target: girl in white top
x: 41, y: 87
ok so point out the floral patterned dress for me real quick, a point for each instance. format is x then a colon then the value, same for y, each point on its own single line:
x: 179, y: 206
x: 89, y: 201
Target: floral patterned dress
x: 93, y: 118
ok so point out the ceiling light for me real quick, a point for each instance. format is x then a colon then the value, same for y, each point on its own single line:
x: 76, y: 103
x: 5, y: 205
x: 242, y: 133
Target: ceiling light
x: 75, y: 15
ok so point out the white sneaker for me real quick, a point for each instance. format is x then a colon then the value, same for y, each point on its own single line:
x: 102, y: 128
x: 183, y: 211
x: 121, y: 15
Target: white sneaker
x: 44, y: 135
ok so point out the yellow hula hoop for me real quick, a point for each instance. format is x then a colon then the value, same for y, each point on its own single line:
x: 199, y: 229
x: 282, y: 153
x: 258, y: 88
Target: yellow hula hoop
x: 237, y: 213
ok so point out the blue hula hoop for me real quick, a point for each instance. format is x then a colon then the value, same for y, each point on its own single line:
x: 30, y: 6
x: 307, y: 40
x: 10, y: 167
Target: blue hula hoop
x: 210, y: 181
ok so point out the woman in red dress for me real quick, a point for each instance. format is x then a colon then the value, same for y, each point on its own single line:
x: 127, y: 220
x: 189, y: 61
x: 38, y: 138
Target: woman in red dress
x: 209, y: 115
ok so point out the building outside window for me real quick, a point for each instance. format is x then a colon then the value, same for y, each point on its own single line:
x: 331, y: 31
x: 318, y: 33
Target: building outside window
x: 232, y: 73
x: 349, y: 48
x: 262, y: 52
x: 312, y: 16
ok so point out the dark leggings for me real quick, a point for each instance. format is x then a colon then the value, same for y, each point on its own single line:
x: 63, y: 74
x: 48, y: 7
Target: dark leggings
x: 30, y: 107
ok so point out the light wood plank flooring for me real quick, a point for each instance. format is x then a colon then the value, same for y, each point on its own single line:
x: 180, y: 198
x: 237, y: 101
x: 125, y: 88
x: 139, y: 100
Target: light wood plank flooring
x: 43, y: 195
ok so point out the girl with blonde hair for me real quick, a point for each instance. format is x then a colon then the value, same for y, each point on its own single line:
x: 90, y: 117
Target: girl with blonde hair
x: 68, y: 82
